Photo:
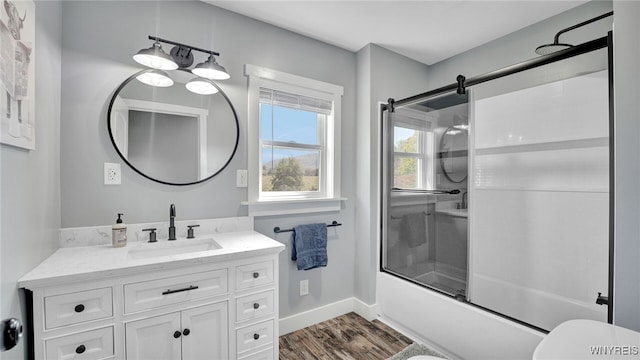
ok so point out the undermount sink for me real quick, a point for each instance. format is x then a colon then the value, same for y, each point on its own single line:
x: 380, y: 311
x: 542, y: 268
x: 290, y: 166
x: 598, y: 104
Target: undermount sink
x: 176, y: 247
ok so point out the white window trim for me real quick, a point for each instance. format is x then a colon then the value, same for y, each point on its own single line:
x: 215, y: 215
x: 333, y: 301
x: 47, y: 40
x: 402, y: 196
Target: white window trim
x: 267, y: 78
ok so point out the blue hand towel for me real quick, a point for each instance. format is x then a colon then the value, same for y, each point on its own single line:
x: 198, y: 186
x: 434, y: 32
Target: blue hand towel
x: 414, y: 229
x: 310, y: 246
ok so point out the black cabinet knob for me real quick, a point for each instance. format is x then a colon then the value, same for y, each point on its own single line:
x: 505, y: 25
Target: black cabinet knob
x: 177, y: 334
x: 186, y: 332
x: 80, y: 349
x: 256, y: 336
x: 256, y: 306
x: 256, y: 275
x: 79, y: 308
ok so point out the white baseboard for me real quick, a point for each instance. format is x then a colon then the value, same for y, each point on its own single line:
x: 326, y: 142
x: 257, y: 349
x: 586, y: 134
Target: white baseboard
x: 326, y: 312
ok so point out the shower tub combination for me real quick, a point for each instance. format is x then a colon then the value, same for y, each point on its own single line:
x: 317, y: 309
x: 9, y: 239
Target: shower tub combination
x: 496, y: 203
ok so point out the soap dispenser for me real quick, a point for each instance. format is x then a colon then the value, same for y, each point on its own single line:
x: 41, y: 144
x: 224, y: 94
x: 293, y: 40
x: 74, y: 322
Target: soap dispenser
x: 119, y: 233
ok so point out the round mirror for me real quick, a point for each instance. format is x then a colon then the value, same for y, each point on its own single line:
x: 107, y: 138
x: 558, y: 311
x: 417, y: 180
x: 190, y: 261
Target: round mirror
x: 453, y: 153
x: 170, y: 134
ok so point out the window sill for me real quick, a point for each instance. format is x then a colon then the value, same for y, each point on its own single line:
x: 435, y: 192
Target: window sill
x: 293, y: 206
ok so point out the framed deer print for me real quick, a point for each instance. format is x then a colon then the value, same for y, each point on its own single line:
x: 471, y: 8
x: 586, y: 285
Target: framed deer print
x: 17, y: 74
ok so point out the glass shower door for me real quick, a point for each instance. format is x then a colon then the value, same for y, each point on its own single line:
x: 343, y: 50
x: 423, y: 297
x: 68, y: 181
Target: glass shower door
x: 539, y: 235
x: 425, y: 198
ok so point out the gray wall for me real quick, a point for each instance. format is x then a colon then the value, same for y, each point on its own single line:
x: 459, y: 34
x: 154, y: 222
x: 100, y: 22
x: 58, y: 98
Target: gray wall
x: 381, y: 74
x: 627, y: 150
x: 93, y: 40
x: 30, y: 180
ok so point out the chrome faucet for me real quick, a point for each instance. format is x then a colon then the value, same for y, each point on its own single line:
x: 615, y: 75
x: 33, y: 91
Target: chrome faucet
x: 172, y: 216
x: 464, y: 204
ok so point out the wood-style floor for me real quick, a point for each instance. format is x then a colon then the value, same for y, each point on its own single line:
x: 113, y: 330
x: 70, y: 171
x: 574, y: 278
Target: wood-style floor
x: 347, y: 337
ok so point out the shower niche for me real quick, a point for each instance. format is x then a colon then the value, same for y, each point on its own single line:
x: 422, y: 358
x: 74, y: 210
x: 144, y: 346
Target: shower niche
x: 425, y: 178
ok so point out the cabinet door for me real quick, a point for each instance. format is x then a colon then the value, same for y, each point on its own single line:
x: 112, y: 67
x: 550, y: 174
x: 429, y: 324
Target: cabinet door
x: 153, y: 338
x: 205, y: 333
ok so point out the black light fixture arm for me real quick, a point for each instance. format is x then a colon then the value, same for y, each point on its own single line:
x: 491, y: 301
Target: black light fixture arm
x: 557, y: 37
x: 211, y: 52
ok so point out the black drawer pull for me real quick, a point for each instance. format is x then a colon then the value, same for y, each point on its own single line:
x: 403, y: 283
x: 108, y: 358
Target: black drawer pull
x: 79, y: 308
x: 256, y: 336
x: 179, y: 290
x: 186, y: 332
x: 256, y: 306
x: 177, y: 334
x: 80, y: 349
x: 256, y: 275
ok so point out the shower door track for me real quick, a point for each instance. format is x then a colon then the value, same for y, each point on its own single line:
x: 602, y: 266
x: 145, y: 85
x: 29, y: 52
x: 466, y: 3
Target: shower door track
x: 583, y: 48
x: 462, y: 83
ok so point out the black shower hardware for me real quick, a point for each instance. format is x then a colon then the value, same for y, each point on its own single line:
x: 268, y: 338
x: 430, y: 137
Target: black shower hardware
x: 576, y: 50
x: 602, y: 300
x: 557, y: 45
x: 278, y: 230
x: 422, y: 191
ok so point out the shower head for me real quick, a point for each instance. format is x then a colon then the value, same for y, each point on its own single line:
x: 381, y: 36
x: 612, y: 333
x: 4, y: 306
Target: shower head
x: 551, y: 48
x: 557, y: 45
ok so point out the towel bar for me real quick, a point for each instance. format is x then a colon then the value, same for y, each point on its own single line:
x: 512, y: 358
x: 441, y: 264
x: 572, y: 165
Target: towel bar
x: 278, y: 230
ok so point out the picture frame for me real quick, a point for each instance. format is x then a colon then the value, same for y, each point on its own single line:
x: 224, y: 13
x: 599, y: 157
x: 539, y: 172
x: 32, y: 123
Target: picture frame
x: 17, y: 73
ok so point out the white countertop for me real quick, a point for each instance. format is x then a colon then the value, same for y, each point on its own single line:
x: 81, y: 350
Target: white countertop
x: 98, y: 262
x: 453, y: 212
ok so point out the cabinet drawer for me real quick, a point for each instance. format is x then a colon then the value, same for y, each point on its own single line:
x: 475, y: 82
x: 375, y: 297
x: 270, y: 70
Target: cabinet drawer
x: 262, y: 355
x: 254, y: 305
x: 67, y: 309
x: 255, y: 274
x: 155, y: 293
x: 88, y: 345
x: 254, y: 336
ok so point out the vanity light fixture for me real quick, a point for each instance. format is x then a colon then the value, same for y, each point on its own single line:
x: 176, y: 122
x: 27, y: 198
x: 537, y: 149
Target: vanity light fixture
x: 181, y: 57
x: 155, y: 57
x: 155, y: 77
x: 210, y: 69
x: 201, y: 86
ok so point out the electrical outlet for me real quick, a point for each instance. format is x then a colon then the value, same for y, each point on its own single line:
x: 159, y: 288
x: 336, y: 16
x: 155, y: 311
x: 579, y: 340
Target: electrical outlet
x: 112, y: 174
x: 241, y: 178
x: 304, y: 287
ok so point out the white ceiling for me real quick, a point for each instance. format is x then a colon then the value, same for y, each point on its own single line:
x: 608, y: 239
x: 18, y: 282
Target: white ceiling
x: 427, y: 31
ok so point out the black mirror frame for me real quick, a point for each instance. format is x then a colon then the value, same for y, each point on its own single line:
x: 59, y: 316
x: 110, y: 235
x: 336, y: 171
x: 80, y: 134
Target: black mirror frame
x: 113, y: 142
x: 442, y: 159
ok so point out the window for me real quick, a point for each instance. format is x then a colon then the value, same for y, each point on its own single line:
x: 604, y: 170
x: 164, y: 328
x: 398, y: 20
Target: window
x: 413, y: 161
x: 294, y: 137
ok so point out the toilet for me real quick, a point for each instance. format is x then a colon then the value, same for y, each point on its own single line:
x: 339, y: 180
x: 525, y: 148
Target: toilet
x: 425, y: 357
x: 588, y: 339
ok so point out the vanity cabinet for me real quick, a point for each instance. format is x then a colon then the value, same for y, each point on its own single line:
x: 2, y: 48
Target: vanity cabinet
x: 198, y: 333
x: 222, y: 309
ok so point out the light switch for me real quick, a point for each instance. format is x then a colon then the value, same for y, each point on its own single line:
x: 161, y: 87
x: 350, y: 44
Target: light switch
x: 241, y: 178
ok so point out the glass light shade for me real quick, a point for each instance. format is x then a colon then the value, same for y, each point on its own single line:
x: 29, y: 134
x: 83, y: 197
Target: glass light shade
x: 156, y: 78
x: 155, y: 57
x: 201, y: 86
x: 210, y: 69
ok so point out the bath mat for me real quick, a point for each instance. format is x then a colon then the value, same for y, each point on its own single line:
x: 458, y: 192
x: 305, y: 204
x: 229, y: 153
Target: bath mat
x: 415, y: 350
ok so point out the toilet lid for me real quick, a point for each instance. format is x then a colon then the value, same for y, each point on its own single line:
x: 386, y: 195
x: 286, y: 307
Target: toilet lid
x: 425, y: 357
x: 588, y: 339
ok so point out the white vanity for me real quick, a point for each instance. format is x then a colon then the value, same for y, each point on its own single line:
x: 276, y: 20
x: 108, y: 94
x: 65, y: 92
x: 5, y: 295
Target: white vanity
x: 212, y: 297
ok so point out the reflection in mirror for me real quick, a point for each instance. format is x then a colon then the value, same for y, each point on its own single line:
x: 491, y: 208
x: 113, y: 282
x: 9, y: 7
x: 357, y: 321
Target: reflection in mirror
x: 171, y: 135
x: 454, y: 152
